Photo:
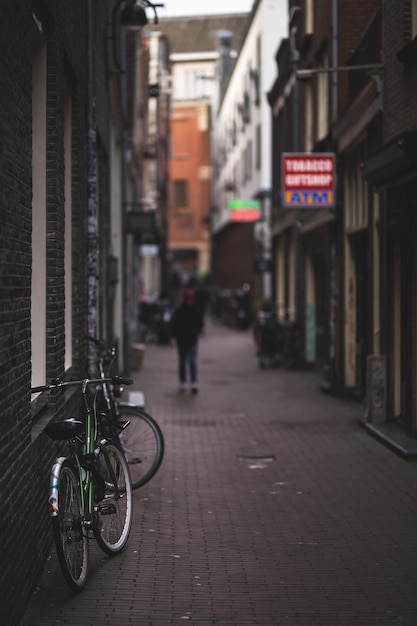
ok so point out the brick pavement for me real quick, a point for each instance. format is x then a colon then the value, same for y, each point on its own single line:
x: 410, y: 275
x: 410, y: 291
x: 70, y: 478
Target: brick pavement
x: 272, y: 507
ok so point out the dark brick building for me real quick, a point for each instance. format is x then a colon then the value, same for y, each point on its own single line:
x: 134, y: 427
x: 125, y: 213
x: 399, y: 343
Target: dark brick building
x: 347, y: 85
x: 308, y: 101
x: 54, y: 180
x: 391, y: 171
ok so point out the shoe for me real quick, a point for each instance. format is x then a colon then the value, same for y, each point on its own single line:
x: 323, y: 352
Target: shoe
x: 182, y: 388
x: 194, y: 388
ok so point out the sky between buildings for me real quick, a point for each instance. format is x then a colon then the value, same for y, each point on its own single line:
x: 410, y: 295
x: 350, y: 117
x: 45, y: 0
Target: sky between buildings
x: 173, y: 8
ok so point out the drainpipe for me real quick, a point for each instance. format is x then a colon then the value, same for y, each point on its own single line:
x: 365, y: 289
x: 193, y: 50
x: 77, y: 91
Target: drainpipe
x: 296, y: 148
x: 335, y: 59
x: 124, y: 200
x: 335, y: 260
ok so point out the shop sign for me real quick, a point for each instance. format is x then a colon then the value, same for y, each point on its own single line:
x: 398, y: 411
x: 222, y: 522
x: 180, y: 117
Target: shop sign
x: 244, y: 210
x: 142, y: 225
x: 308, y: 180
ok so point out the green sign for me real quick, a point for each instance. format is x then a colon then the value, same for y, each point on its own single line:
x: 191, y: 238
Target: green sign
x: 243, y: 204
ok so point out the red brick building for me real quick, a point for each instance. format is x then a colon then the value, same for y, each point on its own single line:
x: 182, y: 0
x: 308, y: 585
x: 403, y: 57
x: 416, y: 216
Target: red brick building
x: 194, y: 45
x: 190, y: 197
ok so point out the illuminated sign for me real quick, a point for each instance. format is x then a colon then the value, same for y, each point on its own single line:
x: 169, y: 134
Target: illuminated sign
x: 308, y: 180
x: 244, y: 210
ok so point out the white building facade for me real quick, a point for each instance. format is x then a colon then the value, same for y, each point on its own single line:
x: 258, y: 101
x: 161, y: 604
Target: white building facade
x: 242, y: 129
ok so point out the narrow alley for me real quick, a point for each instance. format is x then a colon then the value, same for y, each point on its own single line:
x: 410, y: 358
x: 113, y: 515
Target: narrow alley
x: 272, y: 506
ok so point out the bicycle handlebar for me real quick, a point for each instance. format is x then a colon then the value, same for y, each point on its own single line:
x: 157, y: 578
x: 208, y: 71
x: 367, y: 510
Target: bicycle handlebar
x: 114, y: 380
x: 107, y: 352
x: 101, y: 345
x: 97, y: 342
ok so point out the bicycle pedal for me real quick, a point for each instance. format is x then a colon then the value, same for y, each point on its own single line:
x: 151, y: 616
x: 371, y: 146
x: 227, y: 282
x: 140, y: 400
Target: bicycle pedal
x: 106, y: 509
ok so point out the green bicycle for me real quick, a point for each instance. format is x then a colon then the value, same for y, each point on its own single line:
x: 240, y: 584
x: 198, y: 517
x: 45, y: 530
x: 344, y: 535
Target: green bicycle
x: 90, y: 489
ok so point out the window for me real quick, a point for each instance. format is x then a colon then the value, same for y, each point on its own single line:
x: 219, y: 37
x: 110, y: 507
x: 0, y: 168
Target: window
x: 258, y: 145
x: 309, y: 138
x: 234, y: 133
x: 356, y: 205
x: 236, y: 178
x: 249, y: 158
x: 38, y: 293
x: 323, y: 100
x: 180, y: 195
x: 259, y: 58
x: 183, y: 215
x: 413, y: 19
x: 308, y: 19
x: 68, y: 227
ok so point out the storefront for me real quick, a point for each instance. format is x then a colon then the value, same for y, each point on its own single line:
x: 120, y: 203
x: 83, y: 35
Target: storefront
x: 393, y: 172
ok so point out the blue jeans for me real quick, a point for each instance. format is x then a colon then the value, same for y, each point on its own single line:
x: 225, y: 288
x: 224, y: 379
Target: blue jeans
x: 187, y: 355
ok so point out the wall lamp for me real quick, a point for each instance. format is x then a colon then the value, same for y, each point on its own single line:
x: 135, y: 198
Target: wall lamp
x: 132, y: 16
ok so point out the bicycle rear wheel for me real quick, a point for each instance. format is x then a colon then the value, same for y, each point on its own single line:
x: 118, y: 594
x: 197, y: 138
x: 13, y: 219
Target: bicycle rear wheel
x: 113, y: 518
x: 70, y: 536
x: 142, y: 443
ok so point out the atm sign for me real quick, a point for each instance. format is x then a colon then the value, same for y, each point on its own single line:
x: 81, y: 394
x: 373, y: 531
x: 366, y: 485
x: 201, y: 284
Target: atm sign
x: 308, y: 180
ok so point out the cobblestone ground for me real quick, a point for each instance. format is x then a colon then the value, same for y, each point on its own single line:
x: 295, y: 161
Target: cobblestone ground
x: 272, y: 506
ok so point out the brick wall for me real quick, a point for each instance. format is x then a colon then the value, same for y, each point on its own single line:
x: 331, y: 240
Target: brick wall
x: 15, y: 285
x: 190, y: 155
x: 25, y: 459
x: 354, y: 18
x: 400, y: 94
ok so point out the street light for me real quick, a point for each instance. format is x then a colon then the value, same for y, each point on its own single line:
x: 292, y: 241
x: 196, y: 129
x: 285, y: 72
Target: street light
x: 132, y: 16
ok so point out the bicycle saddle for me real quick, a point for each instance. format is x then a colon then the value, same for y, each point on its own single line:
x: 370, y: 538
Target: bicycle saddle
x: 66, y: 429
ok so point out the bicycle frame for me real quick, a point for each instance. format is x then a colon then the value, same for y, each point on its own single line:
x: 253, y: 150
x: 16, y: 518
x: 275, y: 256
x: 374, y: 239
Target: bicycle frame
x: 142, y: 443
x: 86, y: 482
x: 91, y: 448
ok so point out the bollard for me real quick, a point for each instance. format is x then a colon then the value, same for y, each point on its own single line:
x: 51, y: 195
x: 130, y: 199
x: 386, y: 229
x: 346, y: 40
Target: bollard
x: 137, y: 354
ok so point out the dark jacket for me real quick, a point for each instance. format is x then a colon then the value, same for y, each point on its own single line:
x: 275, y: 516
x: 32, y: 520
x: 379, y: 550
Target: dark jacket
x: 187, y: 323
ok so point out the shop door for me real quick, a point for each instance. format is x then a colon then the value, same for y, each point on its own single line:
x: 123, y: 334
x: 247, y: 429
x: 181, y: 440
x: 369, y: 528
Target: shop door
x: 362, y: 291
x: 322, y: 310
x: 397, y: 327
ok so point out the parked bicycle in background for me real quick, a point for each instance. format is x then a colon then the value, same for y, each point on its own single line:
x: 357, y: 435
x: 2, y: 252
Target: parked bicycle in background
x: 233, y: 307
x: 277, y: 339
x: 155, y: 320
x: 142, y: 441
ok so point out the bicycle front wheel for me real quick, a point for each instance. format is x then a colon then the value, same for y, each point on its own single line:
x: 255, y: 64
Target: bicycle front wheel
x: 70, y: 536
x: 142, y: 443
x: 113, y: 517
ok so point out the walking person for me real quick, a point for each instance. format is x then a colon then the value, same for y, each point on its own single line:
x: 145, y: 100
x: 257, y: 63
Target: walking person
x: 187, y: 324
